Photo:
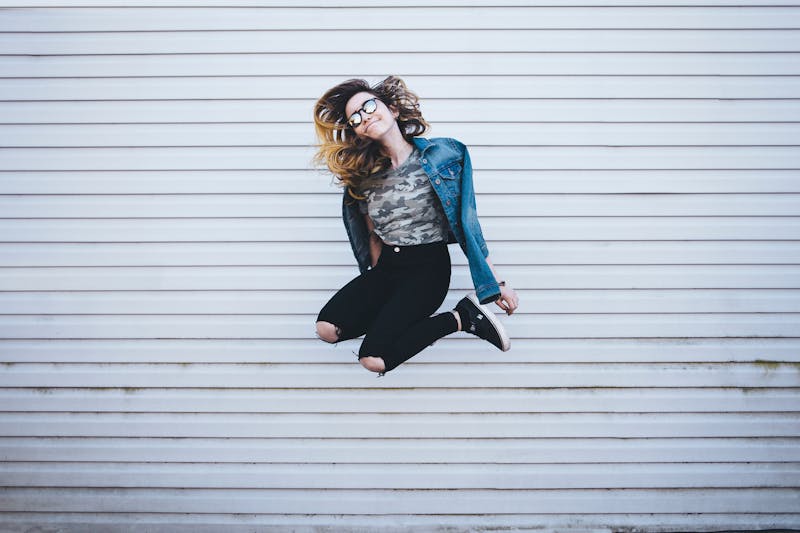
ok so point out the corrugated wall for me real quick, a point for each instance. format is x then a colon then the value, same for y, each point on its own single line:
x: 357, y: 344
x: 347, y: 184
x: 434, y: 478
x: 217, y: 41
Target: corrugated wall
x: 165, y: 246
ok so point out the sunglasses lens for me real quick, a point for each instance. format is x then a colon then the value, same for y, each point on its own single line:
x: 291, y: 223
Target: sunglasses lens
x: 370, y: 106
x: 354, y: 120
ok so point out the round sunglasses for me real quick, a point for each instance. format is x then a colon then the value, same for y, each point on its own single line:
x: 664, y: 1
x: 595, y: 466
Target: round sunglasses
x: 367, y: 107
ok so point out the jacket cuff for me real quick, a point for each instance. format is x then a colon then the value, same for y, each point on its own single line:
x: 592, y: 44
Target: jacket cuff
x: 488, y: 293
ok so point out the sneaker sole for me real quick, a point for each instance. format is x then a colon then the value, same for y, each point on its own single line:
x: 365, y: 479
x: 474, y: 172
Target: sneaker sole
x: 498, y: 326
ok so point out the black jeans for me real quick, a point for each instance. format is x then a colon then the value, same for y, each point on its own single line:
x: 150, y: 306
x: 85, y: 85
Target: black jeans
x: 393, y: 302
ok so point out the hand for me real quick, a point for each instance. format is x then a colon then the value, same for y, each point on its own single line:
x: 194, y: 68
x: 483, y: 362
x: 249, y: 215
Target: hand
x: 508, y: 300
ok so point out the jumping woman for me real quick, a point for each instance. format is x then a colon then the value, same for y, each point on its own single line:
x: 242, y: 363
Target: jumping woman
x: 405, y: 198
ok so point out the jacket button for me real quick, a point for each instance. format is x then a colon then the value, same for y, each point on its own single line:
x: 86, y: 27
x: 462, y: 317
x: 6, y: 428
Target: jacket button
x: 396, y: 249
x: 448, y: 202
x: 424, y: 160
x: 438, y: 181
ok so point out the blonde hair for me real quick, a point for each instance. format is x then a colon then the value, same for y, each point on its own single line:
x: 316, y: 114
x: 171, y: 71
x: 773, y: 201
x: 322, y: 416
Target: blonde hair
x: 351, y: 158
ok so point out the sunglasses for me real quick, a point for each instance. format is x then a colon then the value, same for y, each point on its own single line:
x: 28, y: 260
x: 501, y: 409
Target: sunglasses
x: 368, y: 107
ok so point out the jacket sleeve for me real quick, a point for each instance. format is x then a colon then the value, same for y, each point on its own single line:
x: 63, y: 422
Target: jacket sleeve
x: 469, y: 210
x: 357, y: 231
x: 486, y: 287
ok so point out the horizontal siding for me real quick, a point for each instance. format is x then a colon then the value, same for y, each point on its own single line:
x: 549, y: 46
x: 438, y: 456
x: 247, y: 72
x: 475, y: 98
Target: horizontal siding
x: 265, y: 351
x: 165, y: 245
x: 319, y: 278
x: 336, y: 252
x: 264, y: 302
x: 327, y: 230
x: 394, y: 399
x: 400, y: 425
x: 656, y: 325
x: 481, y: 375
x: 536, y: 181
x: 351, y: 501
x: 381, y: 3
x: 414, y: 40
x: 498, y: 134
x: 307, y: 87
x: 399, y: 477
x: 126, y: 19
x: 329, y: 206
x: 533, y: 63
x: 509, y: 158
x: 212, y: 522
x: 374, y: 450
x: 555, y: 112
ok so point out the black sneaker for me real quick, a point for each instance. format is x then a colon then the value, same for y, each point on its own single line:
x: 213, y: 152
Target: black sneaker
x: 482, y: 322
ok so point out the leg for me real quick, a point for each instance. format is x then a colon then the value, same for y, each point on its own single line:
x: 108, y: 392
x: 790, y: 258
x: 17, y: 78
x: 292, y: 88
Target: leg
x: 328, y: 332
x: 349, y: 312
x: 407, y: 344
x: 373, y: 364
x: 404, y: 326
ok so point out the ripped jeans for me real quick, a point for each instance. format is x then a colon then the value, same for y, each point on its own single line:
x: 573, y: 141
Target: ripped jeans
x: 392, y: 303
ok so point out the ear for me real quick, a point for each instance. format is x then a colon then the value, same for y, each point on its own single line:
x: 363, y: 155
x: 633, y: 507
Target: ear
x: 394, y: 110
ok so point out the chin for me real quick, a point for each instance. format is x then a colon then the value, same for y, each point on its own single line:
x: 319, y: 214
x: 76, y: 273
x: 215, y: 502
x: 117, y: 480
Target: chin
x: 376, y: 131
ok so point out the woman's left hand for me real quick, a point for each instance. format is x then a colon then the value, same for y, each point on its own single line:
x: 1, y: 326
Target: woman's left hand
x: 508, y: 300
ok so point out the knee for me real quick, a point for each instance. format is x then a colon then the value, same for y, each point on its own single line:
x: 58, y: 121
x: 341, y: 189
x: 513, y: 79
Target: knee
x: 327, y: 332
x: 373, y: 364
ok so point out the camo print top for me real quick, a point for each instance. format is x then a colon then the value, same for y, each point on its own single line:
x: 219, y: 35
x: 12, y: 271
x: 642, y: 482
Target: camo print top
x: 403, y: 205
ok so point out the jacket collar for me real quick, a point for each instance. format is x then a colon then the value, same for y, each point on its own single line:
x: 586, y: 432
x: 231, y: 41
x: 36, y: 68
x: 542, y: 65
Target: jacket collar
x: 422, y: 143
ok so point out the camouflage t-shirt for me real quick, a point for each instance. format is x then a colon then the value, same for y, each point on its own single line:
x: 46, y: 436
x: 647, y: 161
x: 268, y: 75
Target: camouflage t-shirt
x: 403, y: 205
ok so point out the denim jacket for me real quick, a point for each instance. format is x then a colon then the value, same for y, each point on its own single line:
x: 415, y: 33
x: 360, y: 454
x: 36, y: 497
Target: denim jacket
x: 447, y: 164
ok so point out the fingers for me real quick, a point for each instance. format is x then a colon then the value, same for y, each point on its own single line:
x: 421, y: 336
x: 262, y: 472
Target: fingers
x: 508, y: 300
x: 502, y: 305
x: 511, y: 306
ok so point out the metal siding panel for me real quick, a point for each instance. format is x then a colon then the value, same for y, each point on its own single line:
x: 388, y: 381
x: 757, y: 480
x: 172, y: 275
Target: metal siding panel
x: 516, y: 229
x: 373, y: 65
x: 440, y: 40
x: 402, y: 502
x: 433, y: 523
x: 597, y: 301
x: 449, y: 350
x: 304, y: 18
x: 469, y: 87
x: 633, y: 395
x: 495, y: 133
x: 381, y: 3
x: 400, y: 451
x: 301, y: 277
x: 289, y: 206
x: 100, y: 254
x: 757, y: 374
x: 520, y: 181
x: 400, y: 477
x: 402, y: 426
x: 289, y: 111
x: 494, y: 157
x: 583, y: 325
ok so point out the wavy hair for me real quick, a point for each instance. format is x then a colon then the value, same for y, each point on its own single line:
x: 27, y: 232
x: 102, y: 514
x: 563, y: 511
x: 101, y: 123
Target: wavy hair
x: 351, y: 158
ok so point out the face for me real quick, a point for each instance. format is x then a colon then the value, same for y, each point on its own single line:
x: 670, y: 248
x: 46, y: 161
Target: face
x: 373, y: 125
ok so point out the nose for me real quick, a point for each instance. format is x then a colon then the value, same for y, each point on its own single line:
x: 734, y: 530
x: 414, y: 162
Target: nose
x: 366, y: 119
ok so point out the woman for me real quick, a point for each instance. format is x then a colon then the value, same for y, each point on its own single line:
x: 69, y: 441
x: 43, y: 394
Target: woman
x: 405, y: 199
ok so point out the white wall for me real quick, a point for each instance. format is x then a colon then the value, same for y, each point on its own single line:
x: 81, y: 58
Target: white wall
x: 165, y: 246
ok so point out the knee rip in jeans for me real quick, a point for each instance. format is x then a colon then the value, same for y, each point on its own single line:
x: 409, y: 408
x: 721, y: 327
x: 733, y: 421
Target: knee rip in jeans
x: 328, y: 332
x: 373, y: 364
